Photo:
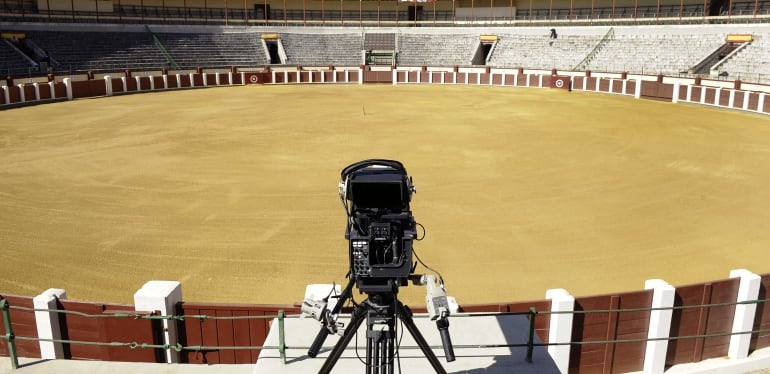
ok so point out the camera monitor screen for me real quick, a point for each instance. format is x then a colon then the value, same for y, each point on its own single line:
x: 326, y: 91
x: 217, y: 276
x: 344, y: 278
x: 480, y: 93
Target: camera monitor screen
x: 386, y: 195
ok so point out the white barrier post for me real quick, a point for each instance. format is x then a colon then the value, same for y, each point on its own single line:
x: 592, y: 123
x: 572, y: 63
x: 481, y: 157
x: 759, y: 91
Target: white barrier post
x: 51, y: 87
x: 717, y: 95
x: 217, y: 79
x: 6, y: 95
x: 660, y: 325
x: 192, y: 79
x: 152, y: 83
x: 21, y: 92
x: 395, y: 76
x: 761, y: 104
x: 162, y: 296
x: 675, y: 95
x: 731, y: 99
x: 37, y: 91
x: 638, y: 88
x: 560, y: 327
x: 138, y: 83
x: 108, y: 85
x: 743, y: 319
x: 48, y: 326
x: 125, y: 83
x: 68, y: 86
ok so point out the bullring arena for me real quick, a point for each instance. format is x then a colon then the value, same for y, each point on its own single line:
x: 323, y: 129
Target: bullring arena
x: 529, y: 179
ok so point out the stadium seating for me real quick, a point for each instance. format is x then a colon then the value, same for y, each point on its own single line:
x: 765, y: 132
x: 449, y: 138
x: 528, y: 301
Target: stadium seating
x: 653, y: 53
x: 436, y: 49
x: 214, y: 50
x: 539, y: 51
x: 751, y: 62
x: 81, y: 51
x: 12, y: 63
x: 342, y: 49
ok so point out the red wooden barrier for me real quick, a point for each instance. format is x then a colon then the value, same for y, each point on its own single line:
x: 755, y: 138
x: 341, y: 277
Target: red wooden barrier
x: 23, y: 325
x: 218, y: 332
x: 107, y: 330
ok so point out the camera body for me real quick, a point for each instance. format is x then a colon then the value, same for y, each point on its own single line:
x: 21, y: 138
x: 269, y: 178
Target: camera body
x: 381, y: 228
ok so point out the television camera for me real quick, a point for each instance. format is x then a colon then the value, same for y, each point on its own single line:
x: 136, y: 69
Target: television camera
x: 380, y: 231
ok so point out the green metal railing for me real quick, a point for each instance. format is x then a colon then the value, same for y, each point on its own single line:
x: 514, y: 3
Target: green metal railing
x: 281, y: 316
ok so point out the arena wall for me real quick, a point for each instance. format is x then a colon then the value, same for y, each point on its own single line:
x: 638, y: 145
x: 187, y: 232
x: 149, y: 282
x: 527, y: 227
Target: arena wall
x: 717, y: 93
x: 608, y: 333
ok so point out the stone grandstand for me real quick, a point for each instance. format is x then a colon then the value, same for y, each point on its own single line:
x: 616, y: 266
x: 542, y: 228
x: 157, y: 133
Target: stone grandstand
x: 668, y: 50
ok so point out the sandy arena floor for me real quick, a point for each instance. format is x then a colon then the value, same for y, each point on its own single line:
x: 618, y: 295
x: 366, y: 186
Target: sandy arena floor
x: 233, y: 191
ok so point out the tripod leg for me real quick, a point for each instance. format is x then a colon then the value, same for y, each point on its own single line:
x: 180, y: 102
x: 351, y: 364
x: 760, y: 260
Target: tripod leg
x: 324, y: 332
x: 406, y: 317
x: 356, y: 318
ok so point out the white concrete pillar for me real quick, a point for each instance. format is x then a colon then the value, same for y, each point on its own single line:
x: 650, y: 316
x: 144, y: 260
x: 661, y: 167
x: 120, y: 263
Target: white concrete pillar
x: 689, y: 92
x: 323, y: 76
x: 152, y: 83
x: 108, y: 85
x: 743, y: 319
x: 6, y: 95
x: 703, y: 95
x: 395, y: 76
x: 516, y: 79
x: 638, y: 90
x: 560, y: 328
x: 243, y: 78
x: 162, y: 296
x: 217, y: 79
x: 299, y: 76
x: 731, y: 99
x: 68, y: 86
x: 675, y: 98
x: 717, y: 95
x: 430, y: 77
x: 51, y: 87
x: 37, y: 91
x: 205, y: 79
x: 660, y: 325
x: 761, y: 103
x: 138, y: 82
x: 540, y: 81
x: 48, y: 326
x: 746, y: 97
x: 21, y: 92
x: 165, y: 81
x: 478, y: 78
x: 192, y: 79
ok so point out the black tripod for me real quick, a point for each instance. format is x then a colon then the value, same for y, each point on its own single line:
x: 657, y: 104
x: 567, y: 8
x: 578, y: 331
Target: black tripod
x: 380, y: 311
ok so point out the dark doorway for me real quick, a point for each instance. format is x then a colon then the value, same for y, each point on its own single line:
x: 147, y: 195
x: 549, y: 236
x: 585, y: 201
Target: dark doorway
x: 262, y: 11
x: 415, y: 12
x: 718, y: 7
x: 272, y: 48
x: 482, y: 53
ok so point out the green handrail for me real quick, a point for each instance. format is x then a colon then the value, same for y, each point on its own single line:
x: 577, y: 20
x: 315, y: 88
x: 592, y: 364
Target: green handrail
x: 9, y: 336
